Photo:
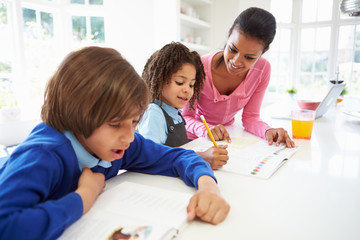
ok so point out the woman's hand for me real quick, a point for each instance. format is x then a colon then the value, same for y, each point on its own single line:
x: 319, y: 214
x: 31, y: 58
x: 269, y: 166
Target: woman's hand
x: 220, y: 133
x: 207, y: 203
x: 89, y: 187
x: 279, y: 135
x: 217, y: 157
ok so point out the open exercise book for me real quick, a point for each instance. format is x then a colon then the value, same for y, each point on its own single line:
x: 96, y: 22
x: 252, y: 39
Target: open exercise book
x: 249, y: 156
x: 132, y: 211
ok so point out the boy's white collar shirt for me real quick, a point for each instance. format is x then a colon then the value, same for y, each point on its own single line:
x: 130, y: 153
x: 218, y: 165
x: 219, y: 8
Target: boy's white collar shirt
x: 83, y: 156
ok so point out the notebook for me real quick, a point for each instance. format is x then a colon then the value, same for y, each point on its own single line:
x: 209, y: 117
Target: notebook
x: 132, y: 211
x: 250, y: 156
x: 330, y: 99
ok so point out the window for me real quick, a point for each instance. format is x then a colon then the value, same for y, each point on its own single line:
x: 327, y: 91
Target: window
x: 39, y: 48
x: 90, y: 2
x: 40, y: 32
x: 280, y: 61
x: 316, y: 10
x: 280, y: 49
x: 7, y: 95
x: 315, y: 35
x: 314, y: 58
x: 88, y: 27
x: 313, y: 45
x: 349, y: 56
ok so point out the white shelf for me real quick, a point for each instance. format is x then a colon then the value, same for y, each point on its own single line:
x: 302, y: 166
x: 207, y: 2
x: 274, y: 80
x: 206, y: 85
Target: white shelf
x: 197, y: 47
x: 196, y: 3
x: 194, y: 22
x: 187, y: 21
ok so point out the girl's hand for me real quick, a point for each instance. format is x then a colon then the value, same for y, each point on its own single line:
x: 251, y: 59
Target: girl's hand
x: 89, y: 187
x: 279, y: 135
x: 217, y: 157
x: 220, y: 133
x: 207, y: 203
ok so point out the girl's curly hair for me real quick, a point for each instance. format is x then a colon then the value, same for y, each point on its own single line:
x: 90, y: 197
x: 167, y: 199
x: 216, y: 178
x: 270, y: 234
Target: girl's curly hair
x: 165, y: 62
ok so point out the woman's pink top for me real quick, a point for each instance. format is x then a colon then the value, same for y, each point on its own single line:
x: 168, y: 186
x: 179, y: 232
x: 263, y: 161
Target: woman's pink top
x: 221, y: 109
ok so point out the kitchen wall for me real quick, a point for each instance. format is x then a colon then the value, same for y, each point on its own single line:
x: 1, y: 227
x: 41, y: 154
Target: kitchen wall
x: 136, y: 28
x: 225, y: 12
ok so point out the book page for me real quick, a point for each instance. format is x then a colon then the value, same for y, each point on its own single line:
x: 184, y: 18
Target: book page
x: 133, y: 210
x: 253, y: 157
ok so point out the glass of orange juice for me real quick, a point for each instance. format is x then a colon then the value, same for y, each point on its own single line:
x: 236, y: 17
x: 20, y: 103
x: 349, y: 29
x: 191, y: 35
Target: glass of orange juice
x: 302, y: 122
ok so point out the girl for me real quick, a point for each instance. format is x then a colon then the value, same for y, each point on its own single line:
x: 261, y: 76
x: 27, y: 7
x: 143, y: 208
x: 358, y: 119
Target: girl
x: 92, y: 106
x: 237, y: 78
x: 175, y: 77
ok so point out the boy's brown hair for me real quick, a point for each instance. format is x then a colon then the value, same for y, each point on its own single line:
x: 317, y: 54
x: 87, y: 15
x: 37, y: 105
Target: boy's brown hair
x: 92, y: 86
x: 160, y: 67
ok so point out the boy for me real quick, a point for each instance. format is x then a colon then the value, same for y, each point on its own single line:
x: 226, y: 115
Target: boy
x: 92, y: 106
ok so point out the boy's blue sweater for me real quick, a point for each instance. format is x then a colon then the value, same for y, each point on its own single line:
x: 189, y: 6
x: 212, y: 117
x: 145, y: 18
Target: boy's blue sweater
x: 37, y: 183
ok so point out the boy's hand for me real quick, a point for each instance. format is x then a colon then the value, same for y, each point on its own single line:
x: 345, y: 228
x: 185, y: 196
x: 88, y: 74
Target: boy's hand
x: 220, y: 133
x: 207, y: 203
x: 89, y: 187
x: 217, y: 157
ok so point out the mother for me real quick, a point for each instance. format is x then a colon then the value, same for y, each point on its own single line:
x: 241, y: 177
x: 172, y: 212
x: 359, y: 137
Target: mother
x: 237, y: 78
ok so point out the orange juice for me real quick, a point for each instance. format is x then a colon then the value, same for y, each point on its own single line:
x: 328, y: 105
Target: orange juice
x: 302, y: 129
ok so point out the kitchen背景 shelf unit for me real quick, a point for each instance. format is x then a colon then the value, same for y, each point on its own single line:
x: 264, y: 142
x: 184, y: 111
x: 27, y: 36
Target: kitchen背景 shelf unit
x: 195, y: 25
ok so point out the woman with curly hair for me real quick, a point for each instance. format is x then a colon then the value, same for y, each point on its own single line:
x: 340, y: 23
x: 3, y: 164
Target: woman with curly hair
x: 175, y: 77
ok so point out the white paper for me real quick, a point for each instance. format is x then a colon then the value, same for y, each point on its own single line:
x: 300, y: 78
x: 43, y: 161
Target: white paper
x: 253, y: 157
x: 148, y: 212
